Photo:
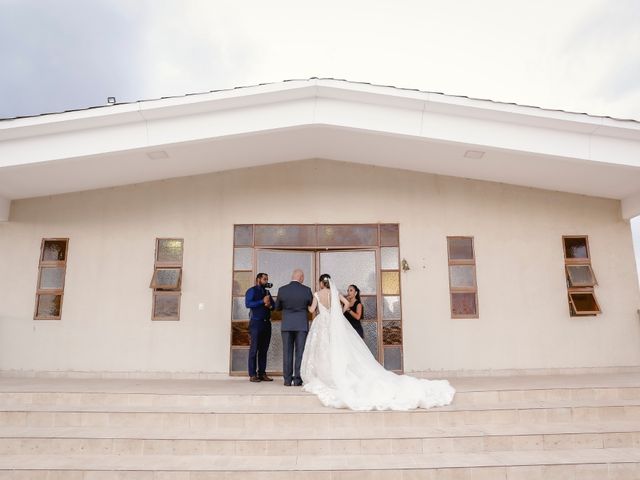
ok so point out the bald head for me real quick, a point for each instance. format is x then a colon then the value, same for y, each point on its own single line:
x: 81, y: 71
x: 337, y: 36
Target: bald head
x: 297, y: 275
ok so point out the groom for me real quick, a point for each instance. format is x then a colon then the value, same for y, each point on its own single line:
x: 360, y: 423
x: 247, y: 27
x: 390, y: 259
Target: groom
x: 294, y: 300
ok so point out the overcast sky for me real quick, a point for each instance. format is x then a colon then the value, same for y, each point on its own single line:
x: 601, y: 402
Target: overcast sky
x: 573, y: 55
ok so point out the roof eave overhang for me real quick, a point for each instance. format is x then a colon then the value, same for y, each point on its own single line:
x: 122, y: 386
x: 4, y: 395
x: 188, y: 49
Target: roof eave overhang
x: 316, y: 104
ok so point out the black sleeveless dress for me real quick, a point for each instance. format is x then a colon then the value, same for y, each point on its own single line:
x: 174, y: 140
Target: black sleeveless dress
x: 357, y: 326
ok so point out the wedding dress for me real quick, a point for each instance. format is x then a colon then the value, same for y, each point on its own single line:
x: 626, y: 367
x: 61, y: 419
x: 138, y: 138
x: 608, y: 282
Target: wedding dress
x: 338, y: 367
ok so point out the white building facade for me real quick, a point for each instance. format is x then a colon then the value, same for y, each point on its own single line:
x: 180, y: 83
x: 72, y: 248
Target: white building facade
x: 484, y: 236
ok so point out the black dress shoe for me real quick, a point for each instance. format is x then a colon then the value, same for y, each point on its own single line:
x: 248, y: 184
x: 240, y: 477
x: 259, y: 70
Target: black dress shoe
x: 254, y: 379
x: 297, y: 384
x: 287, y: 384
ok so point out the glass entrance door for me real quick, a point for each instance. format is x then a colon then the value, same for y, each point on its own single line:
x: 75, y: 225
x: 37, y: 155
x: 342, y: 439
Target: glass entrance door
x: 279, y: 264
x: 357, y: 267
x: 365, y: 255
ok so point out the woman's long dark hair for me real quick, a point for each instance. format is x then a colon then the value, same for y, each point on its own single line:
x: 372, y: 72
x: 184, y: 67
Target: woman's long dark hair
x: 355, y: 287
x: 324, y: 280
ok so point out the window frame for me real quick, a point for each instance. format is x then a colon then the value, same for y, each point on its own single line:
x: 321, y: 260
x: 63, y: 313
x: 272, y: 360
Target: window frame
x: 164, y: 291
x: 467, y: 261
x: 579, y: 289
x: 51, y: 264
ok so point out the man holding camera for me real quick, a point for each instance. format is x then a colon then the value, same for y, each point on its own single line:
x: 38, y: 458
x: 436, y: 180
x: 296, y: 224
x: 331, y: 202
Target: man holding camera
x: 259, y: 300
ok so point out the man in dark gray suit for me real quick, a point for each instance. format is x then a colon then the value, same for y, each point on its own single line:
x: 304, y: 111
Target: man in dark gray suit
x: 294, y: 300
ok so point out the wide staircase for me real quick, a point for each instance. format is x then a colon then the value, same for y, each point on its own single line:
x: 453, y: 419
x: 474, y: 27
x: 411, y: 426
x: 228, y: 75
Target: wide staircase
x: 500, y: 428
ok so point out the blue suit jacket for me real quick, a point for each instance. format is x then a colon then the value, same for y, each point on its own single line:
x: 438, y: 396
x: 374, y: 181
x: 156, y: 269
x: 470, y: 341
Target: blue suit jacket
x: 294, y: 300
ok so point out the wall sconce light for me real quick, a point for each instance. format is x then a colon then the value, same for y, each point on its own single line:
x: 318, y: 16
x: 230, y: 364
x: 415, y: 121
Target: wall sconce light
x: 111, y: 100
x: 404, y: 265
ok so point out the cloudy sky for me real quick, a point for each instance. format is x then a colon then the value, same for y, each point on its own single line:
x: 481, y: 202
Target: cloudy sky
x: 577, y: 55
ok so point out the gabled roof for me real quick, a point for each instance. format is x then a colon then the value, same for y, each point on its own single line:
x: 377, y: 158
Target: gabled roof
x: 325, y: 78
x: 321, y: 118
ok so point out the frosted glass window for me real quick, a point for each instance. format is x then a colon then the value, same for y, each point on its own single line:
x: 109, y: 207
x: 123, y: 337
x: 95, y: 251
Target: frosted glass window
x: 239, y: 359
x: 169, y: 250
x: 48, y: 306
x: 581, y: 276
x: 348, y: 235
x: 280, y: 264
x: 285, y: 235
x: 242, y: 281
x: 370, y: 307
x: 371, y: 336
x: 391, y: 308
x: 51, y: 278
x: 243, y: 258
x: 462, y: 276
x: 460, y: 248
x: 243, y: 235
x: 54, y: 251
x: 389, y: 235
x: 390, y: 283
x: 166, y: 278
x: 392, y: 332
x: 166, y: 305
x: 240, y: 334
x: 389, y: 258
x: 576, y: 248
x: 393, y: 358
x: 346, y: 268
x: 464, y: 304
x: 240, y: 312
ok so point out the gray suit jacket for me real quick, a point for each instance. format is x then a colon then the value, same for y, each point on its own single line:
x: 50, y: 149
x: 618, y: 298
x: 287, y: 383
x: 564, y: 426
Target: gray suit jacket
x: 293, y: 300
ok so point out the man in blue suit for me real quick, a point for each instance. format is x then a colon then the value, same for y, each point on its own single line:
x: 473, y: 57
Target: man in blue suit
x: 259, y: 300
x: 294, y: 300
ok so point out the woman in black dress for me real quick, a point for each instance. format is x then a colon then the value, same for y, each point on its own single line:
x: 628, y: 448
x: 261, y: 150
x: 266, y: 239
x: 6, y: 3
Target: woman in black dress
x: 355, y: 311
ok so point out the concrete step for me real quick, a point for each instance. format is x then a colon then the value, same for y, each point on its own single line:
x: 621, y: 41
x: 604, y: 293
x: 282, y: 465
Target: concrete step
x: 110, y: 441
x: 278, y: 397
x: 319, y: 419
x: 566, y: 465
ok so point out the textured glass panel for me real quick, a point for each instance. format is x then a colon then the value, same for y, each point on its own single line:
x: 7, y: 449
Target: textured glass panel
x: 462, y: 275
x: 240, y: 334
x: 391, y: 308
x: 166, y: 305
x: 393, y: 358
x: 49, y: 305
x: 286, y: 235
x: 348, y: 268
x: 166, y: 278
x: 170, y: 250
x: 463, y: 304
x: 348, y: 235
x: 392, y: 332
x: 391, y: 283
x: 243, y: 259
x: 575, y: 247
x: 370, y: 307
x: 239, y: 359
x: 389, y: 235
x: 54, y: 251
x: 240, y: 312
x: 51, y: 278
x: 274, y: 354
x: 584, y: 302
x: 242, y: 281
x: 371, y: 336
x: 581, y: 276
x: 243, y: 235
x: 389, y: 258
x: 279, y: 265
x: 461, y: 248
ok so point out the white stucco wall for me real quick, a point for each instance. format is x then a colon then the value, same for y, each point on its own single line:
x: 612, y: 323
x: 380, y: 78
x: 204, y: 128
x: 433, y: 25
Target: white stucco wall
x: 524, y: 320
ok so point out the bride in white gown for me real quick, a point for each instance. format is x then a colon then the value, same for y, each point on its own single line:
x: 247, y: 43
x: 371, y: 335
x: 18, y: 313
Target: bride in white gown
x: 339, y: 368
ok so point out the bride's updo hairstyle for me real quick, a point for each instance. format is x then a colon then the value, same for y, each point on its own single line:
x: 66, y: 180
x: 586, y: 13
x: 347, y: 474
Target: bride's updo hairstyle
x: 324, y: 280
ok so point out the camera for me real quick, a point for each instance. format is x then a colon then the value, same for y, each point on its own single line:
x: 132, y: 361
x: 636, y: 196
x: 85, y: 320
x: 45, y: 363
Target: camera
x: 268, y: 285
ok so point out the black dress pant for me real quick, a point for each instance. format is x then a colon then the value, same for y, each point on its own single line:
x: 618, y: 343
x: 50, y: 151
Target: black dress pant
x: 292, y: 349
x: 260, y: 332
